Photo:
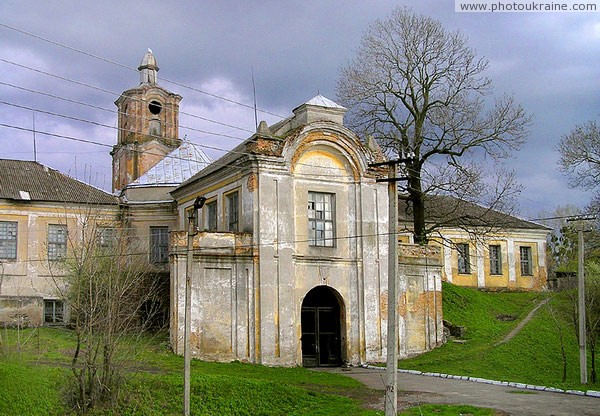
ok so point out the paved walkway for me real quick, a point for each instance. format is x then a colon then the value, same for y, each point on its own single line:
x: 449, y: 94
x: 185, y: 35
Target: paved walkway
x: 414, y: 389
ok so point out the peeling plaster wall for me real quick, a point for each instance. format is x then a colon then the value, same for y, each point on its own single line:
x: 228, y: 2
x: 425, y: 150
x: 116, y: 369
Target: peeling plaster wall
x: 248, y: 288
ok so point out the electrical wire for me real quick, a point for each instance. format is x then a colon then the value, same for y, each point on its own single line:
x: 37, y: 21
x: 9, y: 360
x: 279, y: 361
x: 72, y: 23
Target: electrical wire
x: 135, y: 69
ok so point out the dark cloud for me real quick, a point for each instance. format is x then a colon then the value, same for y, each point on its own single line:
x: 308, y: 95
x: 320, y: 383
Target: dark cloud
x: 294, y: 49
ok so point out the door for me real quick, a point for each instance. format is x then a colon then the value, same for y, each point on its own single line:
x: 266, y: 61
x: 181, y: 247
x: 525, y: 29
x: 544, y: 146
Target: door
x: 321, y: 338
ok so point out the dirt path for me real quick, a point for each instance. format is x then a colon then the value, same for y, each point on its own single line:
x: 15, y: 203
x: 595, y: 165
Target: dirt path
x: 522, y: 323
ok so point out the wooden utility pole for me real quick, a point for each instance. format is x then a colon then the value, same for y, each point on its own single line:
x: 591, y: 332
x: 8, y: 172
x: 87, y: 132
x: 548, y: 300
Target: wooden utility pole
x: 187, y: 357
x: 391, y: 388
x: 582, y: 318
x: 583, y: 378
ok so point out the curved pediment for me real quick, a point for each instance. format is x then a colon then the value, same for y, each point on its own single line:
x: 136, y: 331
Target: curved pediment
x: 328, y: 152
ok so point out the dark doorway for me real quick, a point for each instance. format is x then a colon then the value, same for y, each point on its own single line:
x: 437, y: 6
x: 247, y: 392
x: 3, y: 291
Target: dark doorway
x: 321, y: 335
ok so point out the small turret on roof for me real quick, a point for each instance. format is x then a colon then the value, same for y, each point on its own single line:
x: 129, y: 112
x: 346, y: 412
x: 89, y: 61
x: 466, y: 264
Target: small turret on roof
x: 318, y: 108
x: 148, y: 69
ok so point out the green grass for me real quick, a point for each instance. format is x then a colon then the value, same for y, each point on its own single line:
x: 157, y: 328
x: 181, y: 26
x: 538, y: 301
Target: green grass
x: 532, y: 356
x: 34, y: 369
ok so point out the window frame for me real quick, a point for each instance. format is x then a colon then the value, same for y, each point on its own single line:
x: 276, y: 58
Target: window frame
x: 463, y: 258
x: 9, y: 240
x: 159, y: 250
x: 321, y: 229
x: 107, y: 237
x: 233, y: 211
x: 55, y: 318
x: 212, y: 215
x: 57, y: 245
x: 495, y: 254
x: 526, y: 261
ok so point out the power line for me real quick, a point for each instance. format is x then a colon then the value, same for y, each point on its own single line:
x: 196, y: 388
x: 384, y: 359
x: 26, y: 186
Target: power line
x: 214, y: 163
x: 118, y: 112
x: 135, y: 69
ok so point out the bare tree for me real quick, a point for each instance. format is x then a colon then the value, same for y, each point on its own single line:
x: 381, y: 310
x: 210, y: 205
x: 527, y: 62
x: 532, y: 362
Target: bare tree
x: 111, y: 295
x: 418, y: 88
x: 580, y: 156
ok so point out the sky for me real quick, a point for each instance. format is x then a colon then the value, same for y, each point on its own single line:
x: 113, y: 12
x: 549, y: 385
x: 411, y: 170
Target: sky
x: 64, y: 63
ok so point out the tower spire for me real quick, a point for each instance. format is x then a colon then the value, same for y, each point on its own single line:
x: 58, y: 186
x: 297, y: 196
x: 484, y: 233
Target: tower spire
x: 148, y: 69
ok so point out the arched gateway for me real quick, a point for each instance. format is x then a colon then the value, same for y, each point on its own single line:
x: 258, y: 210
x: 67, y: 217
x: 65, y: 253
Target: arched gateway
x: 322, y: 311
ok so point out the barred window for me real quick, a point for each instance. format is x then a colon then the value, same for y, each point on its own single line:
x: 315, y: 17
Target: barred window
x: 53, y: 311
x: 8, y: 240
x: 495, y: 259
x: 321, y: 219
x: 526, y: 264
x: 57, y: 242
x: 464, y: 261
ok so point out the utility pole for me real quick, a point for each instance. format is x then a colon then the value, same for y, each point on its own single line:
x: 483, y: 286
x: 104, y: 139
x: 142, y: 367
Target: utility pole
x: 581, y: 297
x: 391, y: 388
x: 187, y: 357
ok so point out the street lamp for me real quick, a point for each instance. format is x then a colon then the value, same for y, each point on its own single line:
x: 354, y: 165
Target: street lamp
x: 198, y: 204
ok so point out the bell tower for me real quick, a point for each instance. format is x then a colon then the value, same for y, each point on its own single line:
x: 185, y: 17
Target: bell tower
x: 148, y: 124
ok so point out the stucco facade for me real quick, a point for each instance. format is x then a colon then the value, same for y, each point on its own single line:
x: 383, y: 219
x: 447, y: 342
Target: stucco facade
x: 271, y: 292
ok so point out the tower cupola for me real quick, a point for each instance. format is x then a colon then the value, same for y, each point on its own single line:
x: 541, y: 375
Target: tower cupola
x: 148, y: 69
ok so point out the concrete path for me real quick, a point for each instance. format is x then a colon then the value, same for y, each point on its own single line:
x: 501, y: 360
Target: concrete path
x: 418, y: 389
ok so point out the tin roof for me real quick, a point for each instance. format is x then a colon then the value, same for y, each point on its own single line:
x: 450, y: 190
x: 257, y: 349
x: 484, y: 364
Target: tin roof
x: 177, y: 167
x: 25, y: 180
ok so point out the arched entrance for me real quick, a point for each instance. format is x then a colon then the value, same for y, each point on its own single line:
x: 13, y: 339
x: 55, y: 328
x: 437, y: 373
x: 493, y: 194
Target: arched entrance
x: 321, y: 328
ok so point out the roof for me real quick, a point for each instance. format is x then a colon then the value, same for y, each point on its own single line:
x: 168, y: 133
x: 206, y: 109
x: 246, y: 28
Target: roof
x: 321, y: 101
x: 31, y: 181
x: 176, y: 168
x: 449, y: 211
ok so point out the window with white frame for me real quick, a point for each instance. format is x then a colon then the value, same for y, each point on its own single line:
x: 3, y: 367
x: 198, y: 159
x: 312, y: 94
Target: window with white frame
x: 526, y: 261
x: 233, y: 211
x: 57, y: 242
x: 495, y: 259
x: 8, y: 240
x: 321, y: 219
x: 464, y: 261
x: 159, y: 245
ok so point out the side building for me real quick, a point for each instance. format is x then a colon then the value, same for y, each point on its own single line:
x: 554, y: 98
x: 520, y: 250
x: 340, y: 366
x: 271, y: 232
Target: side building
x: 43, y: 214
x: 484, y: 248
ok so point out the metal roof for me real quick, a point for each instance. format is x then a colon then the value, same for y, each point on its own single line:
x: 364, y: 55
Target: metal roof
x: 177, y: 167
x: 321, y: 101
x: 24, y: 180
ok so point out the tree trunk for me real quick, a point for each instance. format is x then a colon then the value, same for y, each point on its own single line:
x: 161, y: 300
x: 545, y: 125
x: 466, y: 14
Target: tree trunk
x: 418, y: 205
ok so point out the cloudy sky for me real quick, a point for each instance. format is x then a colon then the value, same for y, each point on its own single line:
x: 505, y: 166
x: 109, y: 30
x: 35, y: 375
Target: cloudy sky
x: 64, y: 63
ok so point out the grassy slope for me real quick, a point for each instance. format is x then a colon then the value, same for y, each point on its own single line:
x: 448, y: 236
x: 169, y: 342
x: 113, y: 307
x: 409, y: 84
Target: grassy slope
x: 32, y: 380
x: 532, y: 356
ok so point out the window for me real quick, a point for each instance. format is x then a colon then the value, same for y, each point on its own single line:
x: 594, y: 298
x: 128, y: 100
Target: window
x: 159, y: 245
x: 107, y: 237
x: 232, y: 212
x: 495, y: 259
x: 526, y: 265
x: 464, y: 262
x: 211, y: 216
x: 53, y: 311
x: 57, y: 242
x: 321, y: 214
x: 8, y: 240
